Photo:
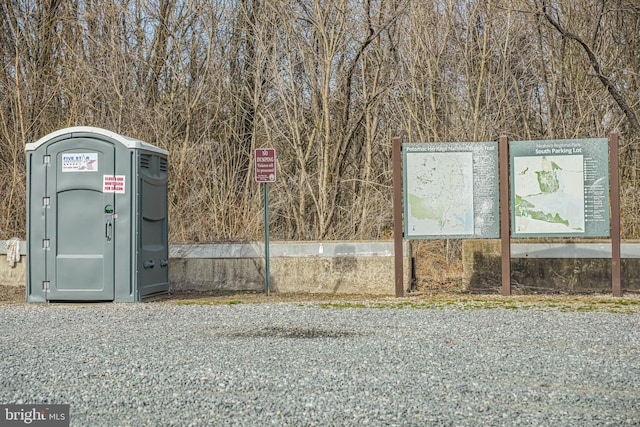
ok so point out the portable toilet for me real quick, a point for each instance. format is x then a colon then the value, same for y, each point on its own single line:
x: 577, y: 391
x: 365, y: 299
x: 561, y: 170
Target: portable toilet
x: 96, y: 217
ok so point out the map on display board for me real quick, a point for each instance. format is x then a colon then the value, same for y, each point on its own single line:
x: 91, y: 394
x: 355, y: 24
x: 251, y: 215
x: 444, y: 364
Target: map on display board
x: 451, y: 190
x: 559, y: 188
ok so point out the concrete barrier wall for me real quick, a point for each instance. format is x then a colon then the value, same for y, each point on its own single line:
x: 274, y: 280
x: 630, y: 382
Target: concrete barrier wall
x: 309, y: 267
x: 548, y: 267
x: 367, y: 267
x: 16, y: 275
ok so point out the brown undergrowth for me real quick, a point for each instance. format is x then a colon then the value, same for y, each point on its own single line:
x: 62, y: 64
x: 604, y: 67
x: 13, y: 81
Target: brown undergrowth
x: 438, y: 266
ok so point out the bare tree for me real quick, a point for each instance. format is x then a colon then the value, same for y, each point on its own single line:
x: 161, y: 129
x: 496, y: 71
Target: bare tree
x: 325, y: 82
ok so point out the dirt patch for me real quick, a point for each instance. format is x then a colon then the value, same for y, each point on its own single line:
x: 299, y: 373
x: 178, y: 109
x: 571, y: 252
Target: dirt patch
x: 257, y: 297
x: 630, y: 303
x: 16, y: 294
x: 434, y: 300
x: 12, y: 294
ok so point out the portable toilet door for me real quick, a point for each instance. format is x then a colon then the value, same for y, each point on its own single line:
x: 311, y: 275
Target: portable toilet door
x: 80, y: 230
x: 79, y: 184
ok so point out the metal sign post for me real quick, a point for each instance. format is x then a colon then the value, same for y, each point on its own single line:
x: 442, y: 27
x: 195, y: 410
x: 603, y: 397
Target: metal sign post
x: 265, y: 173
x: 267, y: 273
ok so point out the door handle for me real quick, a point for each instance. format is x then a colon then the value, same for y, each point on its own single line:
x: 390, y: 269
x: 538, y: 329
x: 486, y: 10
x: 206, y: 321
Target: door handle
x: 109, y: 231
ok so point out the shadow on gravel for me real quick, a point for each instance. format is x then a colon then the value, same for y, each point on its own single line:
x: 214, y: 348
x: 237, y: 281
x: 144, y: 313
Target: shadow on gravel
x: 293, y: 332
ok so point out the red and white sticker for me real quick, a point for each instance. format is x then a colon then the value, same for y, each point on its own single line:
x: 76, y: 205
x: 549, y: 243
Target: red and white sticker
x: 113, y: 184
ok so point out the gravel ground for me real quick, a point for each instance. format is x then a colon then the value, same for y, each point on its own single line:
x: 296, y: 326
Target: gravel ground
x: 159, y: 364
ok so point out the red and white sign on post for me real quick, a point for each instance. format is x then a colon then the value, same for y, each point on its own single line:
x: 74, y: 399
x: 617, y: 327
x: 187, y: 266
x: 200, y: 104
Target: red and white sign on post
x: 265, y: 165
